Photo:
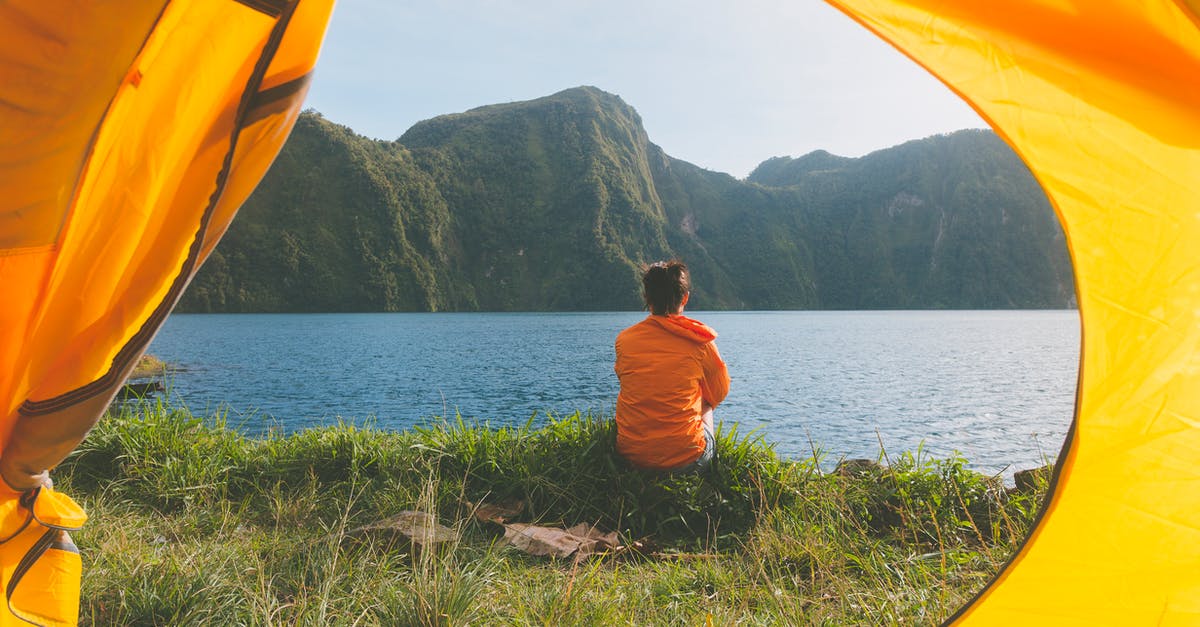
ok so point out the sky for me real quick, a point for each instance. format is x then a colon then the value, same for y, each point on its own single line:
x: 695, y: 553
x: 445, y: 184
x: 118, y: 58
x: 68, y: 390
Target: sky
x: 723, y: 85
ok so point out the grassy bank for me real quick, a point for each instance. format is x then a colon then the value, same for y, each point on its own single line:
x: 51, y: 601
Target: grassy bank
x: 192, y: 523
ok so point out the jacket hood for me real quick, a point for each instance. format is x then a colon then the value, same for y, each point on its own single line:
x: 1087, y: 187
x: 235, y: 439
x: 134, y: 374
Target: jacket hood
x: 684, y: 326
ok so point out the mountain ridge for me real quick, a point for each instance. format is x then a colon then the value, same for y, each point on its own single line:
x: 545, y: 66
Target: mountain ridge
x: 551, y: 204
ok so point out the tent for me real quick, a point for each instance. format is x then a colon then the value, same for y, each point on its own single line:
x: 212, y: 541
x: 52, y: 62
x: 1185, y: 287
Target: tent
x: 1102, y: 101
x: 130, y: 133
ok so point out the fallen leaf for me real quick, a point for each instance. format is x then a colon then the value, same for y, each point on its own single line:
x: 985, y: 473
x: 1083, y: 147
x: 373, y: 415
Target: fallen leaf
x: 581, y: 540
x: 419, y: 527
x: 585, y: 530
x: 498, y: 512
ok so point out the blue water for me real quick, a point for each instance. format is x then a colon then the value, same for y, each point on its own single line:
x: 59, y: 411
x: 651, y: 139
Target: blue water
x: 997, y: 386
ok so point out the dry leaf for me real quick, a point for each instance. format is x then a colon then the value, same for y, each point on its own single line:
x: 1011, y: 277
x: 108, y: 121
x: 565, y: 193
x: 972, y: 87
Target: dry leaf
x: 419, y: 527
x: 585, y: 530
x: 498, y: 512
x: 581, y: 540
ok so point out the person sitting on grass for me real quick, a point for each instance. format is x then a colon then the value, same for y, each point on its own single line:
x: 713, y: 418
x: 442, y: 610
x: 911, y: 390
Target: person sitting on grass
x: 671, y: 379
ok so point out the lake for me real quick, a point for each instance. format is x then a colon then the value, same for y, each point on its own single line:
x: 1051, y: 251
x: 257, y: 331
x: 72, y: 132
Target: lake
x: 997, y: 386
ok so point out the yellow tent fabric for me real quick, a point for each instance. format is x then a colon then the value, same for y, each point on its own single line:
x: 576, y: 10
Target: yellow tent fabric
x: 1102, y: 101
x: 130, y: 132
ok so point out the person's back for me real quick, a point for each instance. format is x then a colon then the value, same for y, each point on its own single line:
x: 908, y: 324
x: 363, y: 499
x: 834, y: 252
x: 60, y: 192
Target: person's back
x: 671, y: 377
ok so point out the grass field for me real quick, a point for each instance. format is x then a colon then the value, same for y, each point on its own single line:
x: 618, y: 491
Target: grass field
x: 194, y: 523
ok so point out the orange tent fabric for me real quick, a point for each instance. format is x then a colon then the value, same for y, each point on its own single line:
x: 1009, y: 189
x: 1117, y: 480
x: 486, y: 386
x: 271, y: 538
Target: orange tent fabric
x: 1102, y: 101
x: 130, y: 133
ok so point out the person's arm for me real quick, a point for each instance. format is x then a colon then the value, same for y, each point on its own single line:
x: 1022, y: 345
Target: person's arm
x: 715, y: 384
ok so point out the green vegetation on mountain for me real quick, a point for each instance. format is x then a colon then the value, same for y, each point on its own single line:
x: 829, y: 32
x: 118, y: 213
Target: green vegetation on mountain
x: 953, y: 221
x: 551, y: 204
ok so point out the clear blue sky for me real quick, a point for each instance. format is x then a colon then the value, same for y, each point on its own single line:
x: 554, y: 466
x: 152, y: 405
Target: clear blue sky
x: 723, y: 85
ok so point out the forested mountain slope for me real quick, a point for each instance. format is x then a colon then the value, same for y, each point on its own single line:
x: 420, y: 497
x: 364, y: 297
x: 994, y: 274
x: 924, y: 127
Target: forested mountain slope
x: 551, y: 204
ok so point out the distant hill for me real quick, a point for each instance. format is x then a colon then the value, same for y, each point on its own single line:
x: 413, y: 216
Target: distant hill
x: 551, y: 204
x: 786, y: 171
x: 951, y: 221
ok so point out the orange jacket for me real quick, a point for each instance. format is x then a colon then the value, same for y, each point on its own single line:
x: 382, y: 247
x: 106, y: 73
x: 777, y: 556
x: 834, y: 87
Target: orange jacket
x: 669, y: 368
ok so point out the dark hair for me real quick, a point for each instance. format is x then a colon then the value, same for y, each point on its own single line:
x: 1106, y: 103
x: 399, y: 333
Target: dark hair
x: 664, y: 284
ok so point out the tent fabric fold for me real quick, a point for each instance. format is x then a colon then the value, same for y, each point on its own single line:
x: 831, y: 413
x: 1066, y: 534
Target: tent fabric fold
x: 130, y: 133
x: 1102, y: 101
x: 41, y: 586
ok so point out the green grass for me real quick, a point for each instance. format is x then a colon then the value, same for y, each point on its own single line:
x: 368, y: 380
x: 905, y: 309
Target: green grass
x: 193, y: 523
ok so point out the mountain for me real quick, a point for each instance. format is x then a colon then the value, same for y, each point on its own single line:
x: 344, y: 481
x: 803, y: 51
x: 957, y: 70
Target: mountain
x: 786, y: 171
x: 951, y: 221
x: 551, y: 204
